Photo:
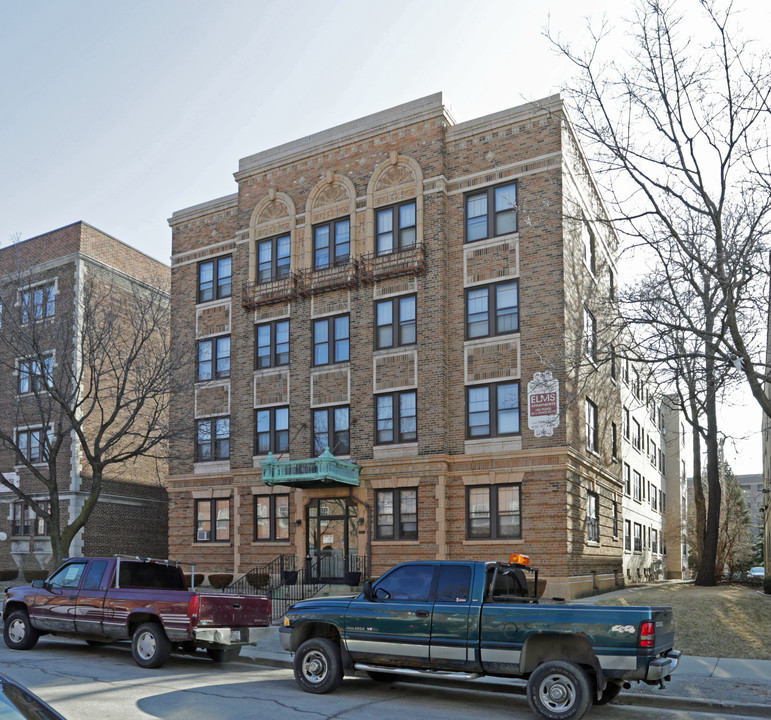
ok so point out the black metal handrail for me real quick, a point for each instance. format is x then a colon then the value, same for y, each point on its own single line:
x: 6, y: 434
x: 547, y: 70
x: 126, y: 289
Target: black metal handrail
x: 284, y: 583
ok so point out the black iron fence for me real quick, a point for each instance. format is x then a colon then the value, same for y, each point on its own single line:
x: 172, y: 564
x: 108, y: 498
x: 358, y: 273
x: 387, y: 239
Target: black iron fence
x: 285, y: 581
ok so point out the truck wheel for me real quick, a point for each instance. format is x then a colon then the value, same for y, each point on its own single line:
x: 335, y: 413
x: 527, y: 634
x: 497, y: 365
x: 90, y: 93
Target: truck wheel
x: 18, y: 632
x: 559, y: 690
x: 150, y: 646
x: 224, y: 655
x: 609, y: 694
x: 318, y: 667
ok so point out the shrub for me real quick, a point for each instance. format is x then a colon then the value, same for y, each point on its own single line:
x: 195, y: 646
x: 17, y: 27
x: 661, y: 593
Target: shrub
x: 258, y: 580
x: 30, y: 575
x: 198, y: 579
x: 6, y: 575
x: 767, y: 584
x: 220, y: 580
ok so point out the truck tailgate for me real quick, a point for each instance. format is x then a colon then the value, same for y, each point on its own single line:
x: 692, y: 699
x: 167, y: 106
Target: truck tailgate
x: 224, y: 610
x: 664, y: 623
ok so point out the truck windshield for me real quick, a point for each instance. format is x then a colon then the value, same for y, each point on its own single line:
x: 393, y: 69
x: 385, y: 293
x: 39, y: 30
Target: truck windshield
x: 151, y: 575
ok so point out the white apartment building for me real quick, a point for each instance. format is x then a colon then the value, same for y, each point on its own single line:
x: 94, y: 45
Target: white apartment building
x: 654, y: 501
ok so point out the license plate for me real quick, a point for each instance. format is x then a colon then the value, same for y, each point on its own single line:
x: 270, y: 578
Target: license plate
x: 235, y: 636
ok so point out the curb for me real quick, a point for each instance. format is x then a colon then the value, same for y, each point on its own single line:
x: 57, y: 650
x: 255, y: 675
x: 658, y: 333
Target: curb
x: 665, y: 702
x: 685, y: 703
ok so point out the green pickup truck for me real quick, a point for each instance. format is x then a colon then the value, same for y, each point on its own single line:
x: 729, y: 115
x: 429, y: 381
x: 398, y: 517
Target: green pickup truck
x: 465, y: 620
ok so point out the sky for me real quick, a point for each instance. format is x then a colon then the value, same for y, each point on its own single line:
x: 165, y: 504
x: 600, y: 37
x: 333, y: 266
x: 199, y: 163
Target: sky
x: 121, y: 113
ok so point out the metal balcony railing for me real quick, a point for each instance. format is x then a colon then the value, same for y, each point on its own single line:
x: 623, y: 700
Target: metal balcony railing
x: 406, y: 261
x: 313, y: 281
x: 256, y: 294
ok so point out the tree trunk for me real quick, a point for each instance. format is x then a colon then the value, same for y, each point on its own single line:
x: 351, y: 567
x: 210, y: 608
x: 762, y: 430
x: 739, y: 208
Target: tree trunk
x: 699, y: 501
x: 706, y: 574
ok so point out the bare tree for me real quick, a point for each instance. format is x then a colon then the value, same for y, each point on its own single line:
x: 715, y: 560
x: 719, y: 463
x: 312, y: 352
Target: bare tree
x: 678, y: 130
x: 101, y: 385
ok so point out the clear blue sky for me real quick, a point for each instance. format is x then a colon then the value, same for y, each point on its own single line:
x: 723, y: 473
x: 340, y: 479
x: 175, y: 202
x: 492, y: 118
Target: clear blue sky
x: 119, y: 113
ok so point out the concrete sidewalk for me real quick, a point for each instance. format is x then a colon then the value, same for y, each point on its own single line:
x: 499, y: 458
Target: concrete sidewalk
x: 720, y: 685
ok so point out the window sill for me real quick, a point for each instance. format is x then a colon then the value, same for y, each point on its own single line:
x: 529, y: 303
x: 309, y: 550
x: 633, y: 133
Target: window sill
x: 397, y: 450
x: 495, y: 541
x: 213, y: 303
x: 494, y: 239
x: 263, y: 543
x: 211, y: 466
x: 593, y: 543
x: 340, y: 365
x: 493, y: 445
x: 416, y: 541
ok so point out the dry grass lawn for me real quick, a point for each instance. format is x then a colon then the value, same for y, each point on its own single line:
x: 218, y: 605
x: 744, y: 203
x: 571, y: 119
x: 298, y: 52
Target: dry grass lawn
x: 730, y: 621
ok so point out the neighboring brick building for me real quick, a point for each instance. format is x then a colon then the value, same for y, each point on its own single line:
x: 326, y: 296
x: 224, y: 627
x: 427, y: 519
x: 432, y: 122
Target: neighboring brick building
x: 396, y: 288
x: 42, y: 282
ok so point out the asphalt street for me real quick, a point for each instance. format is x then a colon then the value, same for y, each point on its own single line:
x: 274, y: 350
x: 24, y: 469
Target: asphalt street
x: 85, y: 683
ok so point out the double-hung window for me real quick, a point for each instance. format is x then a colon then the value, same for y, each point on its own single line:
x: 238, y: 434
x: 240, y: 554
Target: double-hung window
x: 38, y: 303
x: 395, y: 322
x: 397, y: 514
x: 271, y: 517
x: 212, y: 520
x: 592, y: 430
x: 24, y: 520
x: 32, y: 444
x: 331, y: 430
x: 491, y: 212
x: 590, y: 246
x: 627, y: 480
x: 628, y: 535
x: 396, y: 228
x: 492, y: 410
x: 492, y: 310
x: 271, y: 344
x: 273, y: 258
x: 637, y: 537
x: 213, y: 359
x: 593, y: 517
x: 637, y: 486
x: 271, y: 431
x: 33, y: 374
x: 590, y: 335
x: 396, y: 419
x: 331, y: 244
x: 215, y: 279
x: 331, y: 340
x: 493, y: 512
x: 212, y: 439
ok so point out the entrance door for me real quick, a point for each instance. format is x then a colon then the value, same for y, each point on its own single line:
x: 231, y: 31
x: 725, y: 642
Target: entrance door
x: 331, y: 529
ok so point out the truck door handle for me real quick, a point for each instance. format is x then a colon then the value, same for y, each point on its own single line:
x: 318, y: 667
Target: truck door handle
x: 422, y: 613
x: 237, y: 606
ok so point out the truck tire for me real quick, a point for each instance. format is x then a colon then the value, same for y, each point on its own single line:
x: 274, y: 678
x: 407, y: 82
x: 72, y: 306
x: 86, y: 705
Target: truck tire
x: 318, y: 667
x: 150, y: 646
x: 224, y: 655
x: 559, y: 690
x: 18, y: 632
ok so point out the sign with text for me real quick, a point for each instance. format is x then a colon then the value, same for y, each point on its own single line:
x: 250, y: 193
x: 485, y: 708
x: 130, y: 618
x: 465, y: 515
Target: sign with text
x: 12, y: 478
x: 543, y: 404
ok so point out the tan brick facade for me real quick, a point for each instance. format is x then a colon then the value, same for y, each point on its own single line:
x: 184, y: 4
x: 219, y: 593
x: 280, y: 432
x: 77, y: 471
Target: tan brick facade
x: 131, y: 515
x: 413, y: 153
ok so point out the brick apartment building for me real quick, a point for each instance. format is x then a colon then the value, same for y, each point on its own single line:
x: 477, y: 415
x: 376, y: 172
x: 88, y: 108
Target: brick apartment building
x: 42, y: 281
x: 422, y: 298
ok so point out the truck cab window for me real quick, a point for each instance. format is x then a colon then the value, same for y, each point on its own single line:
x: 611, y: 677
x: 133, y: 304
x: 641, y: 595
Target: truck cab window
x: 454, y: 582
x: 410, y: 582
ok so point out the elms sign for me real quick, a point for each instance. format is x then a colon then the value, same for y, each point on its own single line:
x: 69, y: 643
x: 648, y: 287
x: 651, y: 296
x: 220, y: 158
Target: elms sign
x: 543, y: 404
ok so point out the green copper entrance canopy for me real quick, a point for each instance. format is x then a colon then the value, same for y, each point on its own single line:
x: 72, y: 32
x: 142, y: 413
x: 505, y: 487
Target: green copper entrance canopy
x: 316, y: 472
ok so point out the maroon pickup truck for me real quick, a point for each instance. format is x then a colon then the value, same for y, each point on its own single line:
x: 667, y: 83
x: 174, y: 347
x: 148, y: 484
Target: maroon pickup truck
x: 147, y: 601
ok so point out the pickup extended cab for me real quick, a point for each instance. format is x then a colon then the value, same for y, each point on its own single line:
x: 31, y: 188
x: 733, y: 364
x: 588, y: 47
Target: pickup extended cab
x: 147, y: 601
x: 464, y: 620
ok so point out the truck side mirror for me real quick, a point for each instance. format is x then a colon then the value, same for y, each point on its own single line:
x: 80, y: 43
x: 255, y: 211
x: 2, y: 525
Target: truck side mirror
x: 367, y: 590
x: 38, y: 583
